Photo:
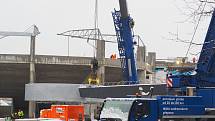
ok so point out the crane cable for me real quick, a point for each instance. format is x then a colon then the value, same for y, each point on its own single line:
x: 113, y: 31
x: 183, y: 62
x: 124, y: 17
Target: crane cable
x: 195, y: 30
x: 95, y: 31
x: 96, y: 27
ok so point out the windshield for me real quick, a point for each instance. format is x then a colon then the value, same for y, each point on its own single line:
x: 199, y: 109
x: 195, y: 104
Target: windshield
x: 116, y: 109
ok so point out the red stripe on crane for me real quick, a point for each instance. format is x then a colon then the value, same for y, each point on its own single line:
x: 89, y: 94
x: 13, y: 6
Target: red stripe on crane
x: 169, y: 82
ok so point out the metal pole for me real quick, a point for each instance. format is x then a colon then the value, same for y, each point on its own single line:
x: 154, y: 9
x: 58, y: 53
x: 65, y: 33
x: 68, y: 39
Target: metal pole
x: 68, y: 45
x: 32, y: 104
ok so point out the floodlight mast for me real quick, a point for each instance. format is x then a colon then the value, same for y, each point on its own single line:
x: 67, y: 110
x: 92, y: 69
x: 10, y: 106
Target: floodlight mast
x: 3, y: 34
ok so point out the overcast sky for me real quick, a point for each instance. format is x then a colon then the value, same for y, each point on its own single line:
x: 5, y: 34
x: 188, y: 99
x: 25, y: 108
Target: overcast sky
x: 153, y: 22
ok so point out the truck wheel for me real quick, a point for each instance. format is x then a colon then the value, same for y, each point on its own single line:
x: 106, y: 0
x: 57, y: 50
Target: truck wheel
x: 210, y: 119
x: 167, y: 120
x: 185, y: 119
x: 205, y: 119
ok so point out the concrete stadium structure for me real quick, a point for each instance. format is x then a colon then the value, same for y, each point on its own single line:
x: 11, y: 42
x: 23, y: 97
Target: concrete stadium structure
x: 14, y: 73
x: 18, y: 70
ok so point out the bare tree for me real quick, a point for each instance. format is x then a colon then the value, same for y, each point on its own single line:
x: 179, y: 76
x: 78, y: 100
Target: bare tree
x: 193, y: 9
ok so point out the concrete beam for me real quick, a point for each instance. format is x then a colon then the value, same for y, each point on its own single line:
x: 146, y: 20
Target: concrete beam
x: 5, y: 33
x: 62, y: 60
x: 52, y: 92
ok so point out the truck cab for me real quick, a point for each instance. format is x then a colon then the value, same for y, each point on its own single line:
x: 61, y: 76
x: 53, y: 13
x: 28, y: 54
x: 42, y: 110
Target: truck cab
x: 161, y: 108
x: 129, y: 109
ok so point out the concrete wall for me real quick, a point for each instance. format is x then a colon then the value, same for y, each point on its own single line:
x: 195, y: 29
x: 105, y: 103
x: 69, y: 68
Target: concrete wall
x: 14, y: 76
x: 14, y: 73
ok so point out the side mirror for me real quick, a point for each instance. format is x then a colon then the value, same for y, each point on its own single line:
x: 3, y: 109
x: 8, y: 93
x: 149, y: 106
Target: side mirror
x: 151, y: 91
x: 141, y: 109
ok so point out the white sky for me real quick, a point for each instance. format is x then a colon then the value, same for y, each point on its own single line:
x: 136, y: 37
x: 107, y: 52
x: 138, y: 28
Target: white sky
x: 153, y: 22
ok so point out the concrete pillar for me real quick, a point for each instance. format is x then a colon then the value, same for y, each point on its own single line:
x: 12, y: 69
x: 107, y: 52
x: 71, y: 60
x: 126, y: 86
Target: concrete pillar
x: 151, y: 60
x: 32, y: 104
x: 142, y: 76
x: 141, y: 54
x: 100, y: 55
x: 101, y: 73
x: 141, y: 59
x: 32, y: 108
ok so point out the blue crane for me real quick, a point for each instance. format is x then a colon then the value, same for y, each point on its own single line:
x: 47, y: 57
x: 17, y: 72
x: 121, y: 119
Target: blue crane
x: 205, y: 72
x: 195, y: 102
x: 123, y: 26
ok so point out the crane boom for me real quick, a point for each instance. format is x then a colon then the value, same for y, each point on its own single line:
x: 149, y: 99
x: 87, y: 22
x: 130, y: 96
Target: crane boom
x: 206, y: 59
x: 123, y: 26
x: 123, y: 8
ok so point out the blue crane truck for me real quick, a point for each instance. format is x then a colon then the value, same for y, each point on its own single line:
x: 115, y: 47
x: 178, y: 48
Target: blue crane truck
x: 192, y: 97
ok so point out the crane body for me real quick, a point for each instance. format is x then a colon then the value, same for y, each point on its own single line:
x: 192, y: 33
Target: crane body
x: 193, y: 97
